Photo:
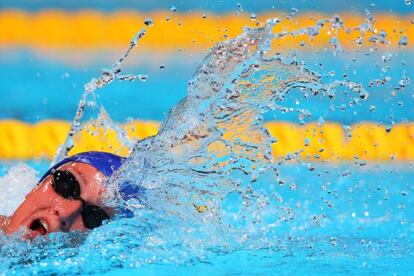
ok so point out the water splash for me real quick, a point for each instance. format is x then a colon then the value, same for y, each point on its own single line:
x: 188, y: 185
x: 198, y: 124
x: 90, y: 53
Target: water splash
x: 211, y: 185
x: 21, y: 176
x: 213, y: 147
x: 106, y: 77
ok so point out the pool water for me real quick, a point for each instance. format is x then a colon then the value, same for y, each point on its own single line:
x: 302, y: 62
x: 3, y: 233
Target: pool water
x: 361, y: 223
x: 262, y: 216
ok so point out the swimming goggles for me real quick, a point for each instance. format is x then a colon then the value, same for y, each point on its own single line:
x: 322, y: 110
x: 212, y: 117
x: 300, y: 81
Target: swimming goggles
x: 66, y: 185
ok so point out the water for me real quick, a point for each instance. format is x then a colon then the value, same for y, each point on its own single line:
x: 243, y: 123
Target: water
x: 22, y: 176
x: 338, y: 243
x: 215, y: 197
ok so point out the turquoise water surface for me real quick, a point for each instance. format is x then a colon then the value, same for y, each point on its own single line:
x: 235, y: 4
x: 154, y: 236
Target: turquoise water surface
x: 361, y: 224
x: 295, y: 217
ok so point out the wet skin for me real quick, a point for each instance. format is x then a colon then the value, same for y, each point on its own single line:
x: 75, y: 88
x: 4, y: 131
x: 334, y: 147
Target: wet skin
x: 44, y: 211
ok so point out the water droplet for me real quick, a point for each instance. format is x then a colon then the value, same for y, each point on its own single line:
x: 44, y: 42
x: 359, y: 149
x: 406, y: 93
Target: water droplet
x: 388, y: 129
x: 407, y: 2
x: 204, y: 16
x: 372, y: 108
x: 404, y: 81
x: 363, y: 95
x: 162, y: 66
x: 346, y: 173
x: 293, y: 12
x: 143, y: 77
x: 240, y: 7
x: 253, y: 16
x: 173, y: 8
x: 386, y: 57
x: 148, y: 22
x: 321, y: 121
x: 332, y: 73
x: 403, y: 41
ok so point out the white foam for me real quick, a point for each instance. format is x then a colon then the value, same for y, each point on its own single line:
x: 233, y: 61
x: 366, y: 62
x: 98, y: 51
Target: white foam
x: 19, y: 180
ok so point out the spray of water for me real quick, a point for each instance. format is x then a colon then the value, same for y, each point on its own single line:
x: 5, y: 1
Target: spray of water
x: 209, y: 178
x: 106, y: 77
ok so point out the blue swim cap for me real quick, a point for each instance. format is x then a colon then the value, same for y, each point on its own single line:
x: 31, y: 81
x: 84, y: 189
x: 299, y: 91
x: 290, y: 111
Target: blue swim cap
x: 105, y: 162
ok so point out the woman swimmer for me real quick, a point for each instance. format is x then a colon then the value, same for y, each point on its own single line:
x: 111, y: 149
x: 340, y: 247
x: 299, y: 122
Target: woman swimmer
x: 67, y: 198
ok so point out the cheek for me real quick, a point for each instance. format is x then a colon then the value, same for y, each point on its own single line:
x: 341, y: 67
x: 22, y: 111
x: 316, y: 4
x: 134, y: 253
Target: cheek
x: 92, y: 194
x: 78, y: 225
x: 41, y: 193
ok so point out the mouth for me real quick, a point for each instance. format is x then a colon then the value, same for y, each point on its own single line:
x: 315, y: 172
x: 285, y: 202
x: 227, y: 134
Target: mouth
x: 39, y: 227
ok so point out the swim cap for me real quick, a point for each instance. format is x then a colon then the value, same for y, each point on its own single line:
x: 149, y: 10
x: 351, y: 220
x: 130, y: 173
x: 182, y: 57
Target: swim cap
x: 105, y: 162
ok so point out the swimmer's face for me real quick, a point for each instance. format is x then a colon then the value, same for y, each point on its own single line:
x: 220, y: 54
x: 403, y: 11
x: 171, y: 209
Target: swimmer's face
x: 44, y: 211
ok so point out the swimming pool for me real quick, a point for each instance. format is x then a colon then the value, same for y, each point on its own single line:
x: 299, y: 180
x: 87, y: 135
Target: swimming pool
x: 361, y: 223
x: 308, y: 212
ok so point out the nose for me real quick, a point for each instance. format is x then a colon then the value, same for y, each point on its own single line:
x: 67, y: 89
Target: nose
x: 67, y: 211
x: 64, y: 211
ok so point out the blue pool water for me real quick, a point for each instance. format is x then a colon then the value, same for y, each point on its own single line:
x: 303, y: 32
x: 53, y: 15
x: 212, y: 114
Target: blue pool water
x: 356, y: 6
x: 263, y: 217
x: 367, y: 230
x: 52, y: 89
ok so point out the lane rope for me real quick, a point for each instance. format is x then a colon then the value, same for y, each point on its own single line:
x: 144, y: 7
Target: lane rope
x: 195, y: 31
x: 364, y: 141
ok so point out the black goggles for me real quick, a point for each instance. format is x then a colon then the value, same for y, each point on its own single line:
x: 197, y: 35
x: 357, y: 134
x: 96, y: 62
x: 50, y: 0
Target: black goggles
x: 66, y: 185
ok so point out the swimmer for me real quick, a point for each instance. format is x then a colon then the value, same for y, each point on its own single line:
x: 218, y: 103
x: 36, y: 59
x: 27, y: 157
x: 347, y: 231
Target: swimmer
x: 68, y: 197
